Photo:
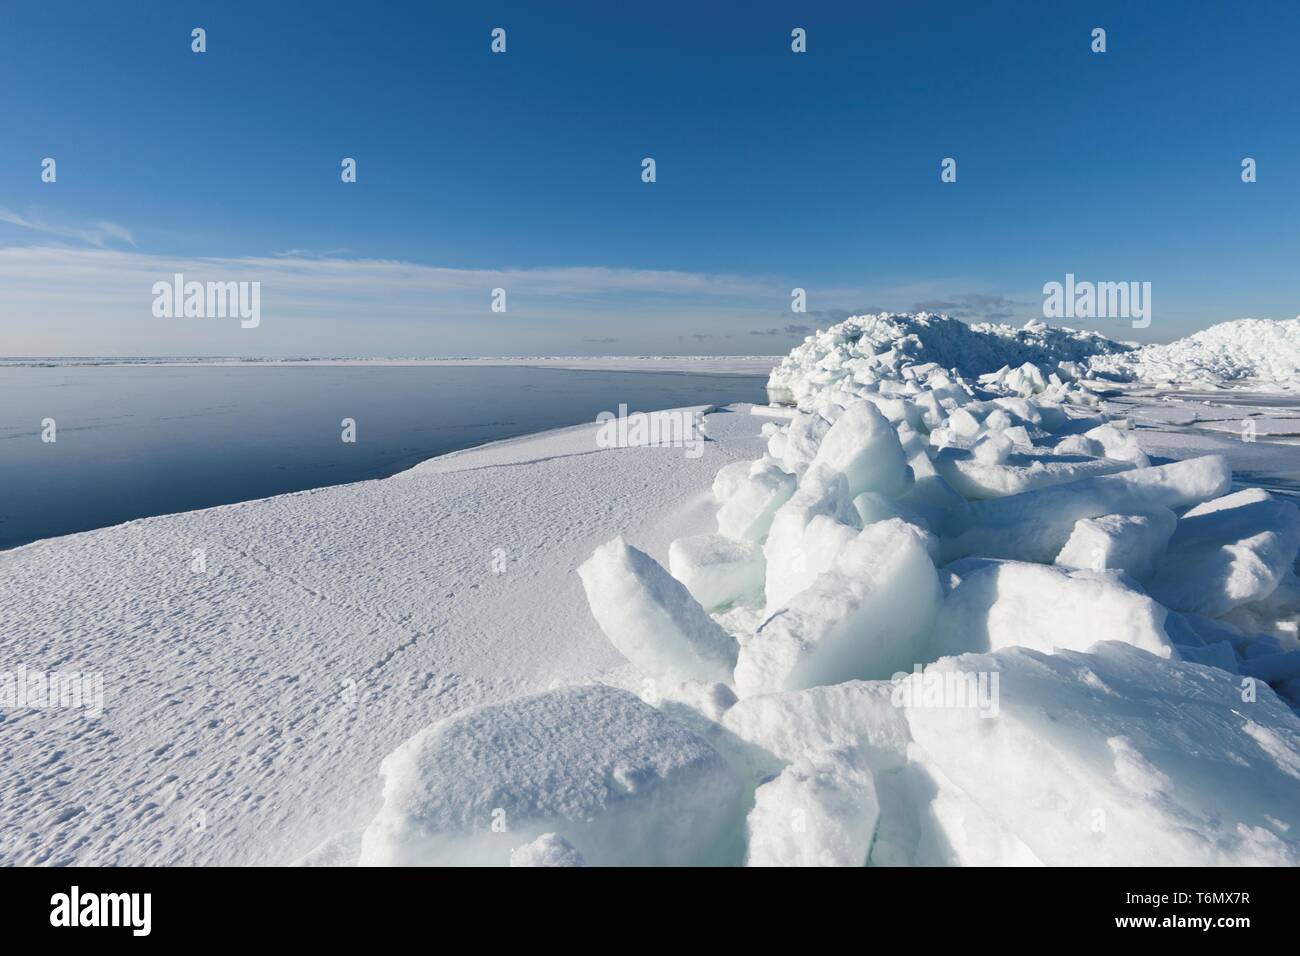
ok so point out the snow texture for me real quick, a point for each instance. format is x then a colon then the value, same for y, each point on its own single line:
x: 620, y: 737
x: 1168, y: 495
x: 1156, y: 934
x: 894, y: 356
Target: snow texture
x: 1227, y: 552
x: 247, y: 707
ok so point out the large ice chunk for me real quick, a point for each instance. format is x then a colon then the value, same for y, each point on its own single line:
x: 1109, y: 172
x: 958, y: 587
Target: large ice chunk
x: 950, y: 828
x: 867, y: 617
x: 1277, y: 615
x: 820, y: 811
x: 717, y: 570
x: 781, y: 728
x: 806, y: 534
x: 872, y: 507
x: 1046, y: 608
x: 623, y: 783
x: 977, y: 477
x: 1119, y: 758
x: 729, y: 479
x: 801, y: 440
x: 651, y: 617
x: 747, y: 513
x: 864, y: 447
x: 1128, y: 543
x: 1227, y: 552
x: 1119, y: 444
x: 1035, y: 526
x: 801, y: 561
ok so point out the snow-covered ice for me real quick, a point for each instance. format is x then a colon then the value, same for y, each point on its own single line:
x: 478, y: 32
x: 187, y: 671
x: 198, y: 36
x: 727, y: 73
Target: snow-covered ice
x: 1128, y: 543
x: 750, y: 502
x: 248, y: 707
x: 1119, y: 758
x: 819, y: 811
x: 865, y: 617
x: 1036, y: 525
x: 717, y: 570
x: 860, y: 345
x: 864, y: 448
x: 1018, y: 604
x: 616, y: 778
x: 777, y: 729
x: 1227, y: 552
x: 652, y: 618
x: 972, y: 595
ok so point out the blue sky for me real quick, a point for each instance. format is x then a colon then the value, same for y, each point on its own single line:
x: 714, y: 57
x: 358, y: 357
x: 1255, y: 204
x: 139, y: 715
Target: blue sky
x: 522, y: 170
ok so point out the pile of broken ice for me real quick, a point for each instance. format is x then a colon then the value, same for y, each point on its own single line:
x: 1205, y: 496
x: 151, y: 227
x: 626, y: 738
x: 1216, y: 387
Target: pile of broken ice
x: 943, y: 620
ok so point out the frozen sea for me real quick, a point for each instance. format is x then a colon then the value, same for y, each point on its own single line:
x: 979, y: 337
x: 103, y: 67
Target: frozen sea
x: 140, y: 440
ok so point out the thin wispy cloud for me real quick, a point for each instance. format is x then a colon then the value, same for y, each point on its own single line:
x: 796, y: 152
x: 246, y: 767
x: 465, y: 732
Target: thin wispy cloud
x: 311, y: 253
x: 98, y: 233
x: 63, y: 300
x: 313, y: 277
x: 98, y: 301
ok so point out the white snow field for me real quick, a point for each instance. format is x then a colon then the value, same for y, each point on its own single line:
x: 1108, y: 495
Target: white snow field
x: 963, y: 600
x: 248, y: 708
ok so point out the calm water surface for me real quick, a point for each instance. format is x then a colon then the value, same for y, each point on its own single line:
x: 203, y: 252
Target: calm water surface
x: 135, y: 441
